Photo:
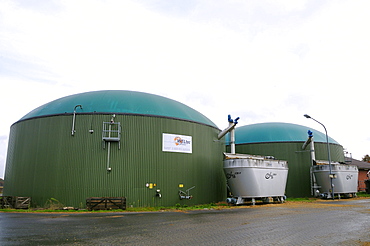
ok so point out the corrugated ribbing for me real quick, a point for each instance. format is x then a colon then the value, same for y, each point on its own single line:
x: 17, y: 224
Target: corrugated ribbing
x: 45, y: 161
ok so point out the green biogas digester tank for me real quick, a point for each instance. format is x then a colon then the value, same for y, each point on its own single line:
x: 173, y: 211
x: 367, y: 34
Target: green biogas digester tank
x: 152, y: 150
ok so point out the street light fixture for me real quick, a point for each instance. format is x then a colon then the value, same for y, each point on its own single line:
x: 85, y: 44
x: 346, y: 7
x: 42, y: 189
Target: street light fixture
x: 327, y: 144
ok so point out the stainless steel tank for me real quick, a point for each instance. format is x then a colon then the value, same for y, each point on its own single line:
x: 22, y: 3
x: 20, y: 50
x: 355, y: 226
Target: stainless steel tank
x: 255, y: 177
x: 344, y: 179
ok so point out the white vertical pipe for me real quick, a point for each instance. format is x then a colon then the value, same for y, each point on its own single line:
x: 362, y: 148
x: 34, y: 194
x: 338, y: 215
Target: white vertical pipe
x: 232, y: 140
x: 312, y: 149
x: 313, y: 159
x: 108, y: 157
x: 74, y: 119
x: 73, y: 122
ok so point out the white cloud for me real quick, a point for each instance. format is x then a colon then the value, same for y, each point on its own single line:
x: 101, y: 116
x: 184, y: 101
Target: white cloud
x: 263, y: 61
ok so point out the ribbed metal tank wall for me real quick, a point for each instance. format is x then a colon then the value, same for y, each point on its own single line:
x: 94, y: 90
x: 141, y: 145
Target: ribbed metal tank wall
x: 44, y: 161
x: 298, y: 184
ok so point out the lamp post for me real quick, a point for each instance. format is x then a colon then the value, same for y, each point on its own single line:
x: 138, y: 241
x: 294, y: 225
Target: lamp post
x: 327, y: 144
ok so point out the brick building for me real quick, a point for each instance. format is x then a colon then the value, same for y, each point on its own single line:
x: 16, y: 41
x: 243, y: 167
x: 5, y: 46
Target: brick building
x: 363, y: 169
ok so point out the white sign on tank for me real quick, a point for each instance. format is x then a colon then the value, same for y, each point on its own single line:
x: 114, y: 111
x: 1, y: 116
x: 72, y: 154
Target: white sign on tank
x: 177, y: 143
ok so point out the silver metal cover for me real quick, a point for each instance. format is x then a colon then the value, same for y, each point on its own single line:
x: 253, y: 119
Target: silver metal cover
x: 255, y: 176
x: 345, y: 181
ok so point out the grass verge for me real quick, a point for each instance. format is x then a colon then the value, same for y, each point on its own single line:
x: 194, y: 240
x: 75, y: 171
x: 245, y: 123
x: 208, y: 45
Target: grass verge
x: 177, y: 207
x: 301, y: 199
x: 363, y: 194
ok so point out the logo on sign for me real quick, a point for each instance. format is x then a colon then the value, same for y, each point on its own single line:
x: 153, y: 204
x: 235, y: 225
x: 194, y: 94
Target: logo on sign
x: 180, y: 141
x: 230, y: 175
x: 270, y: 175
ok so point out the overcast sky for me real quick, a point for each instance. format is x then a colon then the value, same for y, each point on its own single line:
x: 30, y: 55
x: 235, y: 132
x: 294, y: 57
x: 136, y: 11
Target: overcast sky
x: 262, y: 60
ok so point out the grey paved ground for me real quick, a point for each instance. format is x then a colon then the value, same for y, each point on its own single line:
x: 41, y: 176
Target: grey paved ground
x: 340, y: 222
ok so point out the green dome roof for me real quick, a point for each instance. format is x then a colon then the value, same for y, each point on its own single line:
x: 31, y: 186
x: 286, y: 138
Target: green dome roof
x: 120, y: 102
x: 277, y: 132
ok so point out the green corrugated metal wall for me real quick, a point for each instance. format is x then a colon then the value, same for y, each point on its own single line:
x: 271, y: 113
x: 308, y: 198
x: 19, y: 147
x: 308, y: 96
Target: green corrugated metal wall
x: 298, y: 184
x: 44, y: 161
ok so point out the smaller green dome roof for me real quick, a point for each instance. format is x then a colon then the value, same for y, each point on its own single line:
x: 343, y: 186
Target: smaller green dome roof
x: 277, y: 132
x: 120, y: 102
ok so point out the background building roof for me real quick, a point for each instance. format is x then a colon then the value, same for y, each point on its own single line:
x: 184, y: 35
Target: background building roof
x: 120, y: 102
x: 360, y: 164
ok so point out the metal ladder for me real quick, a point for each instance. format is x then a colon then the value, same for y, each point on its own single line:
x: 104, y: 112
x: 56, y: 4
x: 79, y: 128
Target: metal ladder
x: 111, y: 133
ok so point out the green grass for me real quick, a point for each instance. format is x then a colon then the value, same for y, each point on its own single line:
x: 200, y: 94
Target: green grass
x: 301, y: 199
x: 178, y: 206
x: 363, y: 194
x: 311, y: 199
